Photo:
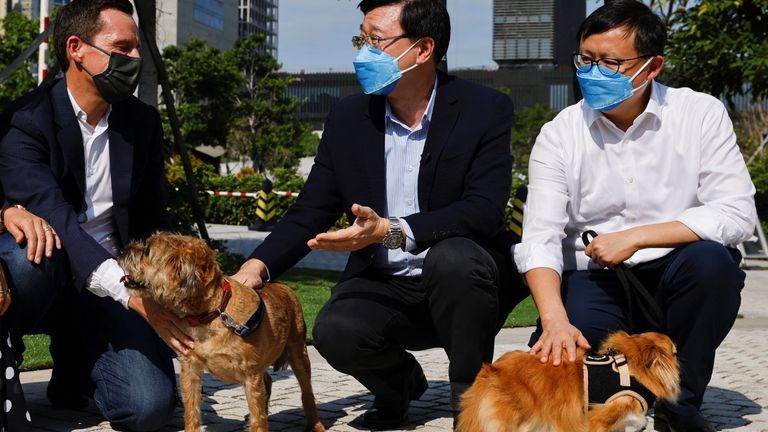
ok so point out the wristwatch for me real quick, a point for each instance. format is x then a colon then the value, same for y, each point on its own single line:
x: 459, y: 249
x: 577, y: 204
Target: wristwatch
x: 393, y: 239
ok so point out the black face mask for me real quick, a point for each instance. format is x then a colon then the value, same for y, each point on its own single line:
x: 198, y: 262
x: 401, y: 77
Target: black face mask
x: 120, y: 79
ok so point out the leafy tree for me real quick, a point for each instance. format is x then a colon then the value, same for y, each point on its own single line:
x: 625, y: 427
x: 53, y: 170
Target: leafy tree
x: 205, y: 83
x: 720, y: 47
x: 18, y: 32
x: 267, y: 129
x: 528, y: 123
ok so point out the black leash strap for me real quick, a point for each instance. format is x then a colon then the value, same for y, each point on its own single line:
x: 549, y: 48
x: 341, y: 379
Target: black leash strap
x: 634, y: 291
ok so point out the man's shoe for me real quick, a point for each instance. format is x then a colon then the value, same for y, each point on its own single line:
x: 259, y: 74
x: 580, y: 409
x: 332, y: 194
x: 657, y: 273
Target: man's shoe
x: 390, y: 416
x: 63, y: 395
x: 385, y: 417
x: 665, y: 420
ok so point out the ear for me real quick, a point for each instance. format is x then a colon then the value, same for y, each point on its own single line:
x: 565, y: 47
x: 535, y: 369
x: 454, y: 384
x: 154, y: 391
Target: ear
x: 75, y: 49
x: 182, y: 262
x: 426, y: 48
x: 655, y: 66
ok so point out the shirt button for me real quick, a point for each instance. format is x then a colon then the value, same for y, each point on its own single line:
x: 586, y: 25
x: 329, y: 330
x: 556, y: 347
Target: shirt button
x: 409, y: 202
x: 630, y: 179
x: 410, y: 168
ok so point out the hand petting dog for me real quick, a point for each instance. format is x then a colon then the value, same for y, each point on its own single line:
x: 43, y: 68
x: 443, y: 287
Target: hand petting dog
x: 167, y: 325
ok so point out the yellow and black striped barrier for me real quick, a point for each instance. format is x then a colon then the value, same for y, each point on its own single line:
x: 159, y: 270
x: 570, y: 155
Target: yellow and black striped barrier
x: 517, y: 204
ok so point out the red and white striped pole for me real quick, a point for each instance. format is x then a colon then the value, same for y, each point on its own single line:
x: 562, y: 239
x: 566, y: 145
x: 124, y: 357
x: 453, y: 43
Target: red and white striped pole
x: 42, y: 66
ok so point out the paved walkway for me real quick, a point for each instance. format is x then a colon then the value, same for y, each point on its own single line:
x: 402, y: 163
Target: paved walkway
x: 736, y: 400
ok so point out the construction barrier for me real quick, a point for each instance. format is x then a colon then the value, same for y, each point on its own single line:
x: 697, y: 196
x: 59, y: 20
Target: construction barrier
x: 251, y: 194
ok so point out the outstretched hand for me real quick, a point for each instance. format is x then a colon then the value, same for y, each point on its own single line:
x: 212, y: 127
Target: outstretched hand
x: 367, y: 228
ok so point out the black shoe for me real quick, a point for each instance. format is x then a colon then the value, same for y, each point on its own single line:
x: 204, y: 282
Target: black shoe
x: 386, y: 416
x: 665, y: 420
x: 64, y: 395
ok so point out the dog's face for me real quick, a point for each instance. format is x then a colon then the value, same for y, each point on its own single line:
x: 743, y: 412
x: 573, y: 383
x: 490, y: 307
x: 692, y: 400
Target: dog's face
x: 179, y: 272
x: 651, y: 359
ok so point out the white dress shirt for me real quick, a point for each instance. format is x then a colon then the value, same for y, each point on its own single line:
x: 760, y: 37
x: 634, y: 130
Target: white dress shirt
x: 679, y: 161
x: 99, y: 224
x: 403, y: 147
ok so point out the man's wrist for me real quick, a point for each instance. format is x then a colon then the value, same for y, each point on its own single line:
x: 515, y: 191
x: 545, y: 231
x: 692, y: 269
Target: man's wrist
x: 3, y: 228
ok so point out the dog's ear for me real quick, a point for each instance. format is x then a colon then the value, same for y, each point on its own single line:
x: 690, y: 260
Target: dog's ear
x: 182, y: 262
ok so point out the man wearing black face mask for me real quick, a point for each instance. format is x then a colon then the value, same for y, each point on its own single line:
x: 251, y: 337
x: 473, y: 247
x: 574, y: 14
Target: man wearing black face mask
x: 87, y: 154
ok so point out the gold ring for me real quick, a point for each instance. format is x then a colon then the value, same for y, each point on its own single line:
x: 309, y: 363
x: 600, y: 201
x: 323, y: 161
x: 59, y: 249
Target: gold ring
x: 47, y: 228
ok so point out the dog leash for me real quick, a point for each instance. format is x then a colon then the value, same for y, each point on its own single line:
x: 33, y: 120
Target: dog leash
x: 634, y: 290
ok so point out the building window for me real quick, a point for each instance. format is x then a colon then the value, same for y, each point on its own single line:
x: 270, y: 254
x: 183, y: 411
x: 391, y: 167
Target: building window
x: 210, y: 13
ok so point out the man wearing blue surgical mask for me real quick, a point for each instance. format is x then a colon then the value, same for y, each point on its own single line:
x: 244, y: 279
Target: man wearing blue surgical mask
x: 420, y: 164
x: 86, y: 155
x: 656, y: 173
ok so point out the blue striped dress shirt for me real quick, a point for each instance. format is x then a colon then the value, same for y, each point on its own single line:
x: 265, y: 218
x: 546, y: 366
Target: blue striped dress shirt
x: 403, y: 147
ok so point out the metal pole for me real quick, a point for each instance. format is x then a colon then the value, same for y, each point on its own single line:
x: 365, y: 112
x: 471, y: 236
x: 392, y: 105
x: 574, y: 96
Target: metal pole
x: 42, y: 66
x: 443, y: 62
x: 143, y: 11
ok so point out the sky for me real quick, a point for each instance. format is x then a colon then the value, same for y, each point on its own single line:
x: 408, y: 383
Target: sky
x: 314, y: 35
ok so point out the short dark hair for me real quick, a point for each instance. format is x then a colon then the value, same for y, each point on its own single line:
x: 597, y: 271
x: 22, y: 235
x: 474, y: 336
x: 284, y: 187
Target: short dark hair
x: 81, y: 18
x: 651, y: 36
x: 420, y: 18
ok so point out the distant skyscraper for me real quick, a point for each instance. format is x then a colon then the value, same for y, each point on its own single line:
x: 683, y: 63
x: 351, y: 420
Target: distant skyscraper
x: 30, y: 8
x: 214, y: 21
x: 535, y: 32
x: 260, y: 16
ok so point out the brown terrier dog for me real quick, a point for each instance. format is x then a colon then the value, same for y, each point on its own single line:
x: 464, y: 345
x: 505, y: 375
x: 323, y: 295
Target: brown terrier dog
x: 519, y: 393
x: 238, y: 332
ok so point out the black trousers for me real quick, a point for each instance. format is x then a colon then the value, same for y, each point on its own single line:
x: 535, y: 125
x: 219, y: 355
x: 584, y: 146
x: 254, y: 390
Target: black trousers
x: 697, y: 286
x: 460, y: 302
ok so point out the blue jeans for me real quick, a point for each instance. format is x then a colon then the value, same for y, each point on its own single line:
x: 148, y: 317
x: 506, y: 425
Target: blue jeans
x: 98, y: 346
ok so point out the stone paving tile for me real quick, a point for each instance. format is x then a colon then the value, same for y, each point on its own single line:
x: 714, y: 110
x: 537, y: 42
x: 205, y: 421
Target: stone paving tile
x: 736, y: 400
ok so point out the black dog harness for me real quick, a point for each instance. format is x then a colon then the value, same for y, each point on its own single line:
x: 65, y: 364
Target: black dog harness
x: 607, y: 377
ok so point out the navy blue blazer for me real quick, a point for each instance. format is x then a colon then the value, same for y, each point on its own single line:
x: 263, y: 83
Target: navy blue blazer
x: 463, y: 185
x: 42, y: 167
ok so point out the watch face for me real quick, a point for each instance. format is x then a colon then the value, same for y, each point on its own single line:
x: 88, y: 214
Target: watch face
x: 392, y: 241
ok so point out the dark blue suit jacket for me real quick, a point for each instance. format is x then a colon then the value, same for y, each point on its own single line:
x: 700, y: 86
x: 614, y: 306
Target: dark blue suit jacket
x: 42, y: 167
x: 464, y: 178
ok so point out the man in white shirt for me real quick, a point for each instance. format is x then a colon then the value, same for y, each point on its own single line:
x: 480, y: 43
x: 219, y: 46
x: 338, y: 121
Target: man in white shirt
x: 656, y: 172
x: 85, y: 155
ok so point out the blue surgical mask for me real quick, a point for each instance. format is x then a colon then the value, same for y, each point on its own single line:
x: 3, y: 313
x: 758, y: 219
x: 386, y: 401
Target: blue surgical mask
x: 378, y: 71
x: 605, y: 93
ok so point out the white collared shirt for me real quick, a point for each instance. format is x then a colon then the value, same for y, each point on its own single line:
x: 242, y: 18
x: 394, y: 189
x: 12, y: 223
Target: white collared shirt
x: 403, y: 147
x: 99, y: 224
x: 679, y: 161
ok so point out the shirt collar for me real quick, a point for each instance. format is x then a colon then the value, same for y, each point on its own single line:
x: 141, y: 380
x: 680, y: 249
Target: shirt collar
x: 652, y: 108
x: 390, y: 116
x: 82, y: 116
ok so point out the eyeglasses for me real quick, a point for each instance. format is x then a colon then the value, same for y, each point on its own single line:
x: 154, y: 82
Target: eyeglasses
x: 612, y: 66
x: 373, y: 41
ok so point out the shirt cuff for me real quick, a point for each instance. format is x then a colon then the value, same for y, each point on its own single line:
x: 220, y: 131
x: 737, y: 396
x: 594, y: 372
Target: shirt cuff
x: 532, y: 255
x: 410, y: 241
x: 105, y: 281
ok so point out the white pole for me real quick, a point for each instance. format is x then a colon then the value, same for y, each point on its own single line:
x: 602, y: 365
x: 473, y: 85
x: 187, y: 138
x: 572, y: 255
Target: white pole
x: 42, y: 66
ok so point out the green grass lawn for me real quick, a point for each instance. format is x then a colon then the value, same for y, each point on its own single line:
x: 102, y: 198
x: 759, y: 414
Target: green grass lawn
x: 313, y: 288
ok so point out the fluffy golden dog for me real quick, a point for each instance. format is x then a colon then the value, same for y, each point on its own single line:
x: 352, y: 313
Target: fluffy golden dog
x: 519, y: 393
x: 180, y: 273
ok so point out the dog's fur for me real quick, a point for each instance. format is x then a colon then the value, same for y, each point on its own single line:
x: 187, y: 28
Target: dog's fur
x: 180, y: 273
x: 519, y: 393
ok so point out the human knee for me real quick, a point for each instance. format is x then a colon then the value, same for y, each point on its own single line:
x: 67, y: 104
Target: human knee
x: 711, y: 265
x: 458, y: 259
x: 133, y: 393
x: 338, y: 339
x: 149, y: 414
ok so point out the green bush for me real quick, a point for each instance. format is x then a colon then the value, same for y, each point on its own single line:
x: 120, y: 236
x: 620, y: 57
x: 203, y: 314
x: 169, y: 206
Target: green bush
x: 758, y: 169
x: 225, y: 209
